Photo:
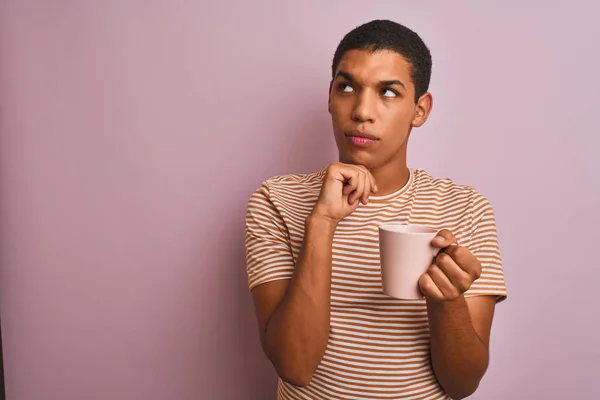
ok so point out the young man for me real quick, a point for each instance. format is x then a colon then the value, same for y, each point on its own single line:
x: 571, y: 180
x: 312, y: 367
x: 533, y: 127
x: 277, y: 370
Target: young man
x: 313, y: 257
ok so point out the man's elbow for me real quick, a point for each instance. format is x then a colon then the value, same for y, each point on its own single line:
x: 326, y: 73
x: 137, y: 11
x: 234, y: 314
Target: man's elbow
x: 460, y: 383
x: 299, y: 381
x: 296, y: 376
x: 295, y: 366
x: 461, y: 392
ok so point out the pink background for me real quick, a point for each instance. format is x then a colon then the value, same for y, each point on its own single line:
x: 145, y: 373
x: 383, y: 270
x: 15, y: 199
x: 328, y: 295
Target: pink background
x: 133, y: 132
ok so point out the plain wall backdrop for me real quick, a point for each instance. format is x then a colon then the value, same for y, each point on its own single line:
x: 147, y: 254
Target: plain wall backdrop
x: 133, y: 132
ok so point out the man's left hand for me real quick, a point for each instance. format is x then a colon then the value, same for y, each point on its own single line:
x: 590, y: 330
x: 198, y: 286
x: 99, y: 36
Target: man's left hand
x: 453, y: 271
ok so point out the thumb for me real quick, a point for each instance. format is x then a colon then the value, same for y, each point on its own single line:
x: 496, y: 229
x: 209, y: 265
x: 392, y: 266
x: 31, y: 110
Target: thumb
x: 443, y: 239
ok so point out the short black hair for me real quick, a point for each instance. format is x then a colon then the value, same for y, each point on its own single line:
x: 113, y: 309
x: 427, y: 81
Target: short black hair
x: 379, y: 35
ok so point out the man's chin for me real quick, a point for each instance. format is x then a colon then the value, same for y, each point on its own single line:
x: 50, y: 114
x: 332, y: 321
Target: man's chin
x: 357, y: 159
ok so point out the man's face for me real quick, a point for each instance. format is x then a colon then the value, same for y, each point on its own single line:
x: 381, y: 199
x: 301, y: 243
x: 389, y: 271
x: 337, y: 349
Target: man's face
x: 372, y: 107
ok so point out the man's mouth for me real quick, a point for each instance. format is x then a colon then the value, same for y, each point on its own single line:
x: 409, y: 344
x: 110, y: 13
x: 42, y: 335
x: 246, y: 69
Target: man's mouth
x: 361, y: 141
x: 361, y: 138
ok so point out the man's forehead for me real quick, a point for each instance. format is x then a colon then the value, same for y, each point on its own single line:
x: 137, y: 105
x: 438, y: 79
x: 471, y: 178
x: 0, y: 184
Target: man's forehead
x: 378, y: 65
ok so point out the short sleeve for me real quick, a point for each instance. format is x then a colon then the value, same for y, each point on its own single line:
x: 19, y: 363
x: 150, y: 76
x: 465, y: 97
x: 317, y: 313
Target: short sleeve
x: 484, y: 245
x: 268, y: 253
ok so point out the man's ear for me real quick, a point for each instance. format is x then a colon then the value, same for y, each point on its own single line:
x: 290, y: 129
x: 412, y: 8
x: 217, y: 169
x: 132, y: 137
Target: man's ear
x: 329, y: 97
x: 422, y: 110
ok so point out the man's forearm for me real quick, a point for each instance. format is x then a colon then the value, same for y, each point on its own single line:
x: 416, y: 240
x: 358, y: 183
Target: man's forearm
x: 458, y: 355
x: 298, y: 331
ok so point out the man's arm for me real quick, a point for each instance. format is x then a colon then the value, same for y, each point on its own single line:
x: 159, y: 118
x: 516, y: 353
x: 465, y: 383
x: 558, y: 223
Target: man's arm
x: 293, y: 315
x: 459, y: 328
x: 460, y: 334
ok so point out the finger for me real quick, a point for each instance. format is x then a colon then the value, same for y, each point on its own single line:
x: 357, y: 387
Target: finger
x: 354, y: 206
x: 443, y: 283
x: 364, y: 178
x: 374, y: 187
x: 443, y: 239
x: 370, y: 179
x: 343, y: 174
x: 360, y: 188
x: 461, y: 255
x: 347, y: 189
x: 367, y: 187
x: 351, y: 187
x: 465, y: 260
x: 457, y: 277
x: 429, y: 288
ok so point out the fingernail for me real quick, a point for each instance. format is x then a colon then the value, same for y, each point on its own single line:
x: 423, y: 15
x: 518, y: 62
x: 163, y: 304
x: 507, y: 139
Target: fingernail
x: 438, y: 239
x: 376, y: 188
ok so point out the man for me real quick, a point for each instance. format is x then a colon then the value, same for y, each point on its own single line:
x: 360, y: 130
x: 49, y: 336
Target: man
x: 313, y: 256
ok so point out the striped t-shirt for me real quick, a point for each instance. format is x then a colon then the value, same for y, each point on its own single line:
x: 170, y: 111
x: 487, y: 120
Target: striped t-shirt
x: 378, y: 346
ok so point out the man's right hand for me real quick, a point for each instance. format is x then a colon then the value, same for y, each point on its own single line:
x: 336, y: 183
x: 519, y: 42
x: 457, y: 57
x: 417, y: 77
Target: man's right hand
x: 294, y: 315
x: 345, y: 186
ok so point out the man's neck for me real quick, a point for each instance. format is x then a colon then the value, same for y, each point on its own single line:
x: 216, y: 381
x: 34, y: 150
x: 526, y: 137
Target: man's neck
x: 390, y: 178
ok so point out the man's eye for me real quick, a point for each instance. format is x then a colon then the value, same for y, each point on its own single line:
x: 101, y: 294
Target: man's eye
x: 344, y: 87
x: 389, y: 93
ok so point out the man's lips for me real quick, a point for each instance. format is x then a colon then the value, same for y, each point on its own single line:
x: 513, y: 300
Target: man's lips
x: 361, y: 141
x: 361, y: 138
x: 362, y: 134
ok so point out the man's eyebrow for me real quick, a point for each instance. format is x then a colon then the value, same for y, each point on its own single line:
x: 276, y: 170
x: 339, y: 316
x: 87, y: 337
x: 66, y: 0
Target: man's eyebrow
x: 344, y: 74
x: 390, y: 82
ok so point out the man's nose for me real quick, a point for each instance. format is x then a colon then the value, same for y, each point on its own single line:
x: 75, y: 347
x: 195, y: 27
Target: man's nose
x: 364, y: 109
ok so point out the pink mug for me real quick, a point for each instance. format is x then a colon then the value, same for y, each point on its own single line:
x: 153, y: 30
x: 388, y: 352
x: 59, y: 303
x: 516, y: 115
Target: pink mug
x: 405, y: 252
